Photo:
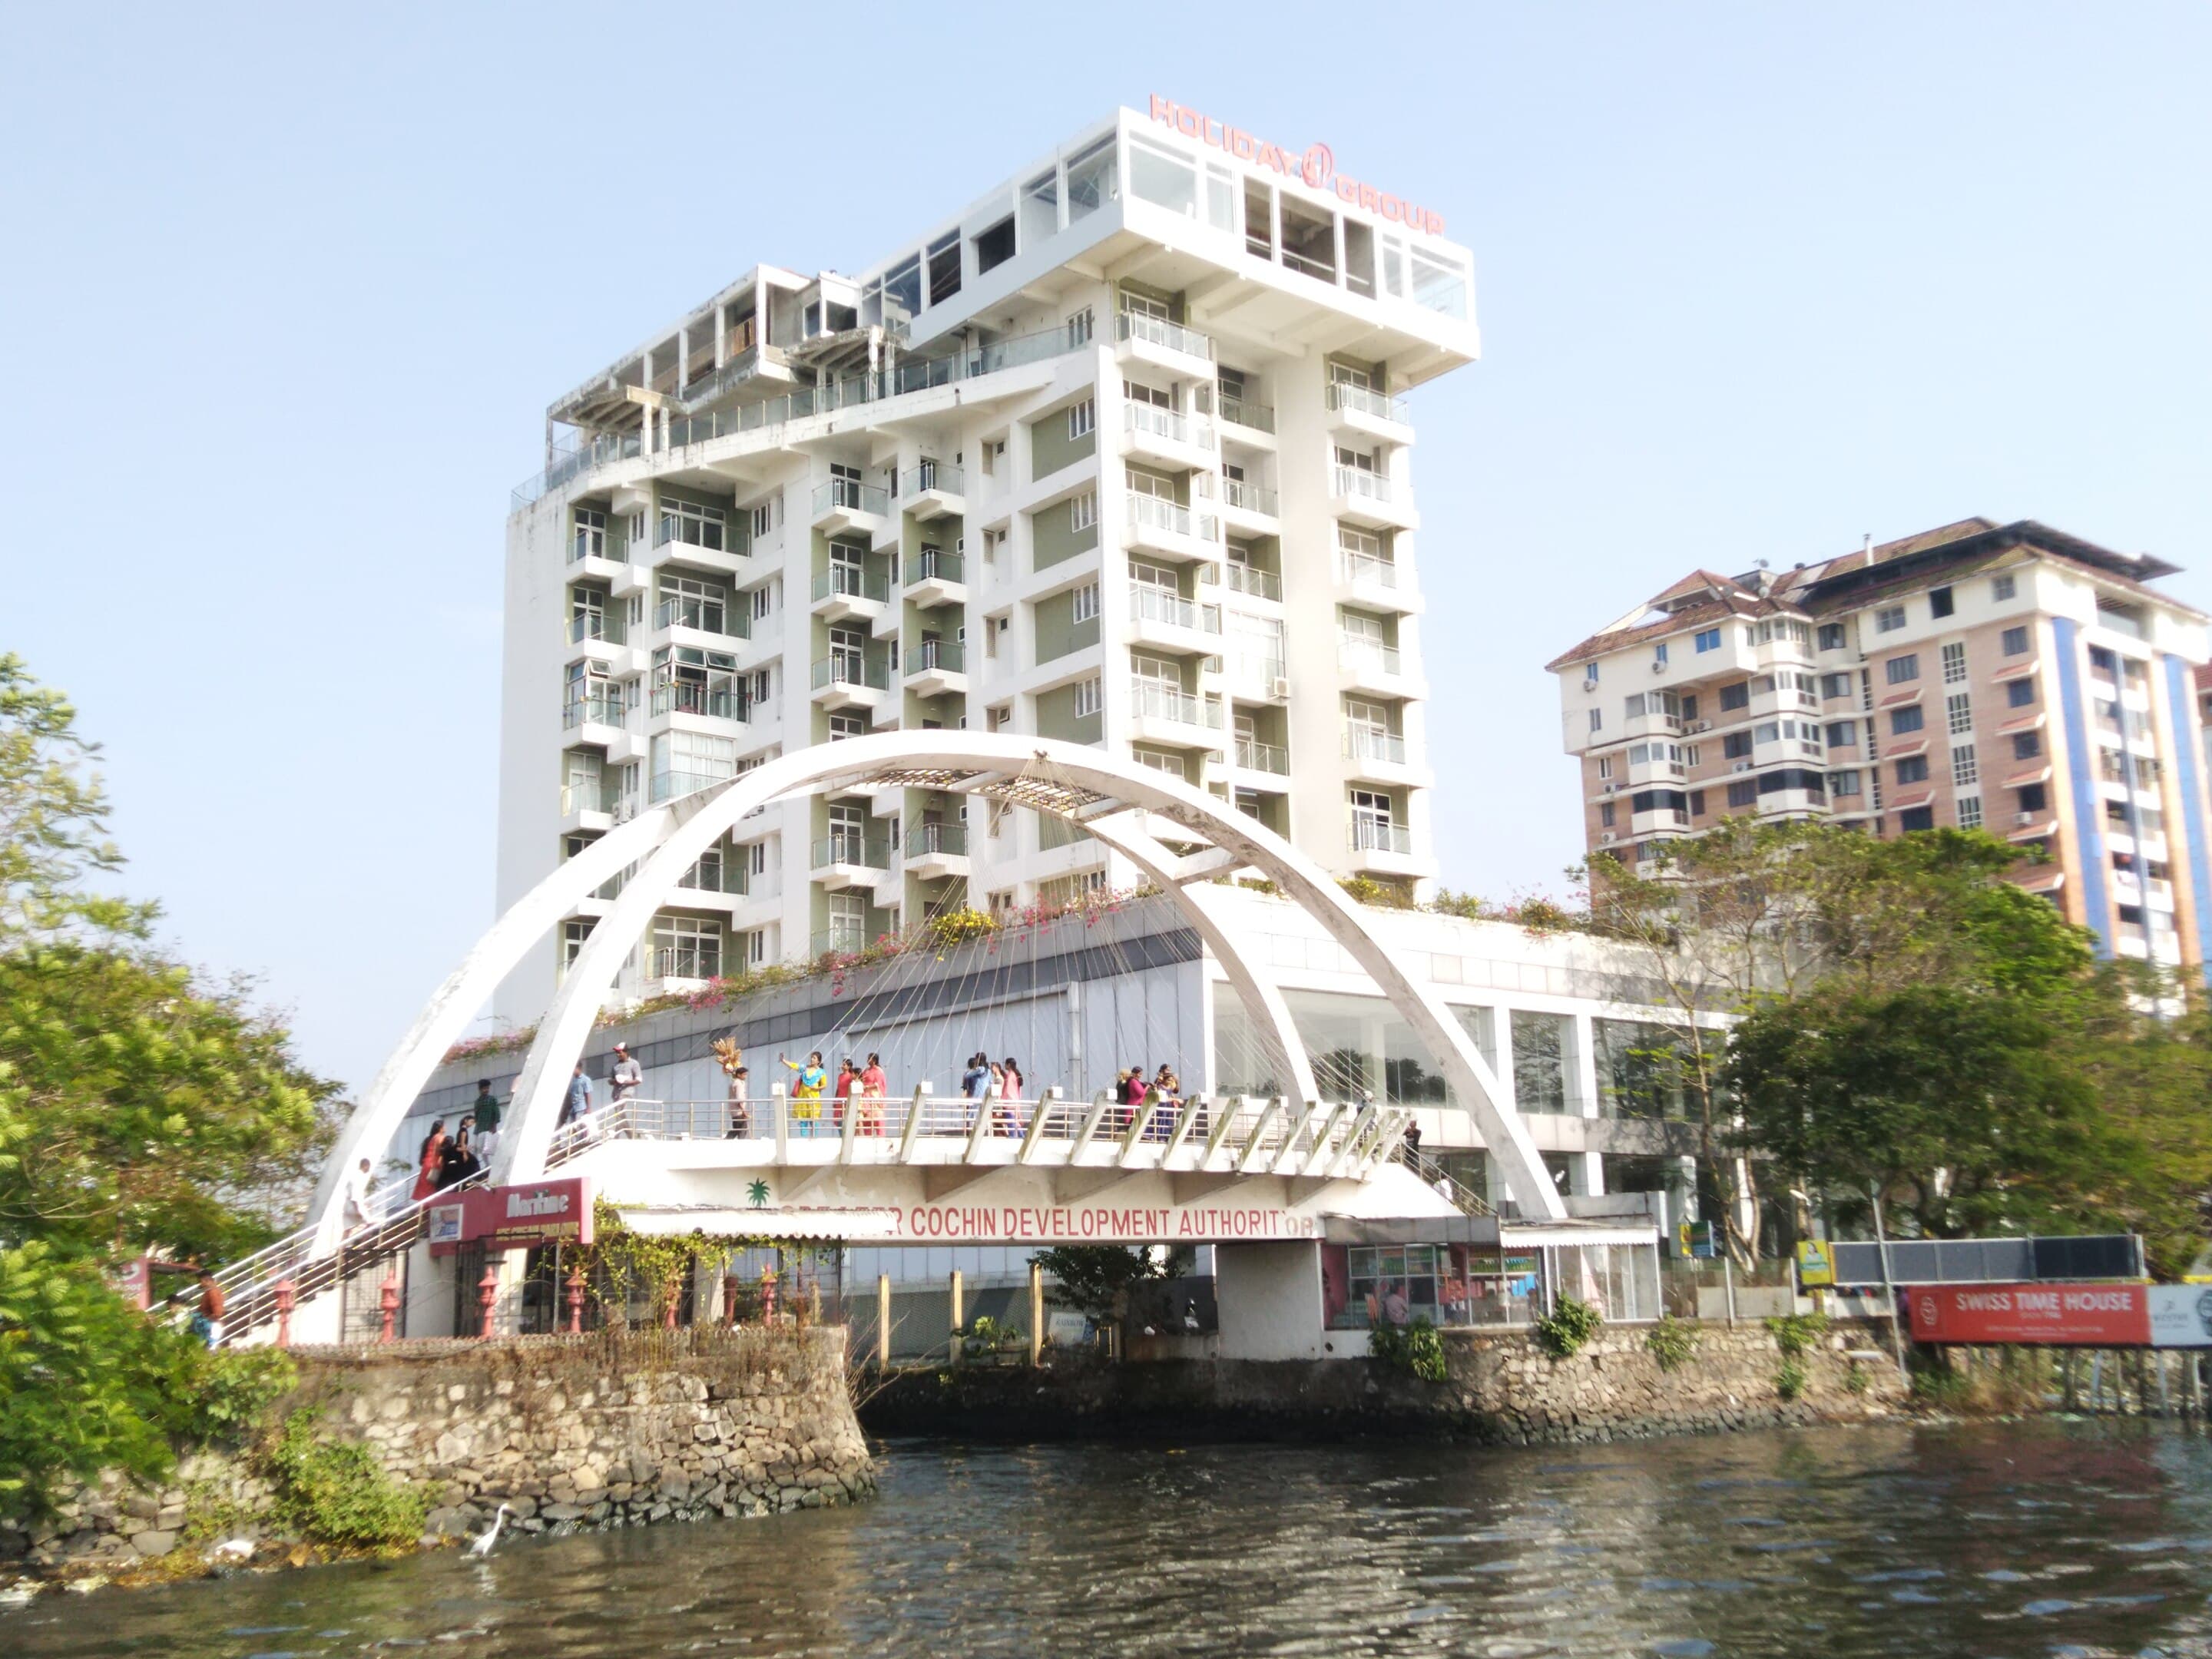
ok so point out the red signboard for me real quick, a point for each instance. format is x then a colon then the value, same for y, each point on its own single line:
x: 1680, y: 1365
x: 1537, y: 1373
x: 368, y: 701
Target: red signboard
x: 2066, y: 1316
x: 536, y: 1214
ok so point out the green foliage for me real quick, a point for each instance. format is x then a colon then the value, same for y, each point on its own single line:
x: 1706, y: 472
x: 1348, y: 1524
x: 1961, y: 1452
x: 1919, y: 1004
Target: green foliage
x: 1093, y: 1278
x: 1415, y: 1349
x: 1789, y: 1381
x: 1795, y: 1332
x: 1383, y: 894
x: 53, y: 820
x: 1672, y: 1342
x: 335, y: 1492
x: 1855, y: 1379
x: 1568, y: 1327
x: 234, y: 1393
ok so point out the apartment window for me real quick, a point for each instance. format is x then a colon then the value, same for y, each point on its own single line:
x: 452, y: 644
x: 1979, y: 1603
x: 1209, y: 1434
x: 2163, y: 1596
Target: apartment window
x: 1835, y: 685
x: 1605, y: 766
x: 1689, y: 756
x: 1955, y: 662
x: 1959, y: 713
x: 944, y: 267
x: 847, y: 725
x: 1696, y: 803
x: 1842, y: 734
x: 2001, y: 589
x: 1083, y: 511
x: 1831, y: 636
x: 764, y: 518
x: 1940, y: 603
x: 2016, y: 642
x: 635, y: 529
x: 1915, y: 818
x: 1970, y: 811
x: 1913, y: 768
x: 572, y: 935
x: 2019, y: 694
x: 761, y: 602
x: 1085, y: 601
x: 1605, y: 814
x: 1590, y: 669
x: 1736, y: 696
x: 1079, y: 327
x: 1964, y: 768
x: 1709, y: 639
x: 1082, y: 418
x: 1088, y: 698
x: 686, y: 947
x: 1902, y: 720
x: 1597, y: 719
x: 2034, y: 800
x: 1902, y: 669
x: 1889, y: 619
x: 1843, y: 783
x: 1743, y: 794
x: 2027, y: 745
x: 1735, y: 745
x: 591, y: 534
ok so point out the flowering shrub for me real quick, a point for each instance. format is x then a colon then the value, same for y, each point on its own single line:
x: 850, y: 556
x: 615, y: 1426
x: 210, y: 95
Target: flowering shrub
x: 499, y: 1043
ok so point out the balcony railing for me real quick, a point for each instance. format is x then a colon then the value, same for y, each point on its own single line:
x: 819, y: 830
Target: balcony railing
x: 702, y: 961
x: 715, y: 874
x: 1152, y: 699
x: 599, y: 709
x: 1374, y: 834
x: 1351, y: 481
x: 1157, y: 604
x: 674, y: 785
x: 588, y: 544
x: 1239, y: 411
x: 854, y: 583
x: 930, y: 475
x: 587, y: 625
x: 1365, y: 743
x: 851, y: 495
x: 1354, y: 568
x: 1249, y: 579
x: 845, y: 669
x: 1248, y: 497
x: 948, y: 840
x: 1360, y: 400
x: 1157, y: 514
x: 705, y: 616
x: 845, y: 941
x: 869, y: 851
x: 1165, y: 424
x: 1157, y: 330
x: 944, y: 656
x: 1370, y: 659
x: 712, y: 534
x: 1256, y: 756
x: 590, y: 796
x: 689, y: 697
x: 936, y: 564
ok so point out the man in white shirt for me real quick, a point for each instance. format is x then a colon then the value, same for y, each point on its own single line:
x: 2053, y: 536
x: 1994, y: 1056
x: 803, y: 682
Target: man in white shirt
x: 624, y: 1083
x: 359, y: 1212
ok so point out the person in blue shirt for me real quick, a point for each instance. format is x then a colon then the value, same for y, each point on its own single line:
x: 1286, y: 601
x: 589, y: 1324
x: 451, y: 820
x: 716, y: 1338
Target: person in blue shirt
x: 975, y: 1082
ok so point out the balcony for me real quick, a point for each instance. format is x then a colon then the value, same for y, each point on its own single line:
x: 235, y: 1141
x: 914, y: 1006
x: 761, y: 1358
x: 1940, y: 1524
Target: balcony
x: 846, y: 505
x: 1142, y: 339
x: 1165, y: 714
x: 846, y: 858
x: 1354, y: 408
x: 1252, y: 676
x: 1254, y: 420
x: 931, y: 489
x: 845, y: 679
x: 586, y: 805
x: 935, y: 852
x: 699, y: 544
x: 937, y: 668
x: 1376, y: 583
x: 1160, y: 618
x: 600, y: 709
x: 1248, y: 507
x: 1381, y: 756
x: 1369, y: 498
x: 710, y: 616
x: 1376, y: 668
x: 1155, y: 524
x: 719, y: 702
x: 935, y: 576
x: 1384, y: 846
x: 1251, y: 755
x: 1151, y: 432
x: 847, y: 592
x: 1253, y: 582
x: 673, y: 965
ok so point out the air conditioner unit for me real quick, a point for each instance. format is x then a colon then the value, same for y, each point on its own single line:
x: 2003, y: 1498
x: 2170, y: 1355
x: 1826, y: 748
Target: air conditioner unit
x: 1741, y: 766
x: 1612, y: 788
x: 1607, y: 839
x: 2024, y: 818
x: 1699, y: 725
x: 1278, y: 689
x: 1658, y: 667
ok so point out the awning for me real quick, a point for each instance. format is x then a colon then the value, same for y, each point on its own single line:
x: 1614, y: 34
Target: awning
x: 1911, y: 694
x: 2021, y: 780
x: 2017, y: 671
x: 2025, y: 723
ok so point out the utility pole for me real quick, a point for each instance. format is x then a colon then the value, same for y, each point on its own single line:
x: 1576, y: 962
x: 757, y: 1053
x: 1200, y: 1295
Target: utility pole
x: 1881, y: 1244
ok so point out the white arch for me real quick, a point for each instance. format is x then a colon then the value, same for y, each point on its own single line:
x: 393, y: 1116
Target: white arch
x: 983, y: 760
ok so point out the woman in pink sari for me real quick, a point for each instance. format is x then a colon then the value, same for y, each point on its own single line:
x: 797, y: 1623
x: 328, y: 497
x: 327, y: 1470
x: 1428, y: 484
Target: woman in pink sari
x: 431, y: 1163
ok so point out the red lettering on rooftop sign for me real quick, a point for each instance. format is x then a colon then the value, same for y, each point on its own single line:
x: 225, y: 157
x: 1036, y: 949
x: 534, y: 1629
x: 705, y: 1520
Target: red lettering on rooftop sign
x: 1315, y: 165
x: 2064, y: 1316
x: 1100, y: 1223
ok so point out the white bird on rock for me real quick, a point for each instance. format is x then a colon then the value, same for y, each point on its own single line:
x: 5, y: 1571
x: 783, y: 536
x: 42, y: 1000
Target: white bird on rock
x: 234, y: 1549
x: 481, y: 1547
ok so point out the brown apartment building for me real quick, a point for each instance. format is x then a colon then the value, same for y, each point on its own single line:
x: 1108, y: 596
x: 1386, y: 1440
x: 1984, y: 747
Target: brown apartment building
x: 2008, y: 678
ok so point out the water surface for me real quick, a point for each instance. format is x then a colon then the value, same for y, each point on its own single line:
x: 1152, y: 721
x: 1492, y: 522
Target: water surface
x: 2043, y: 1538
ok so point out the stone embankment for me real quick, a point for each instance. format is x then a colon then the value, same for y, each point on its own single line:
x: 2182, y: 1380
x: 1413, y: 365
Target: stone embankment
x: 569, y: 1432
x: 1499, y: 1388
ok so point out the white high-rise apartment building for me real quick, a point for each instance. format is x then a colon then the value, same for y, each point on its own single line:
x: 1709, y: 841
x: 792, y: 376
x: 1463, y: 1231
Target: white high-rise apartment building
x: 1116, y: 455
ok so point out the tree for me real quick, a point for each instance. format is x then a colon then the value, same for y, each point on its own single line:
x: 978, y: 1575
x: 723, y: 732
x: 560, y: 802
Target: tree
x: 53, y: 816
x: 1095, y: 1279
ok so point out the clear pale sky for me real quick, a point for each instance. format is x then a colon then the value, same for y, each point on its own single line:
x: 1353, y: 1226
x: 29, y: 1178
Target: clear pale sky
x: 286, y: 290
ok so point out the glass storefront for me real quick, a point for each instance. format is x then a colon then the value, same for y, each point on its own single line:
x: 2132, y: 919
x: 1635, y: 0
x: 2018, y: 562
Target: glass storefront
x: 1475, y: 1285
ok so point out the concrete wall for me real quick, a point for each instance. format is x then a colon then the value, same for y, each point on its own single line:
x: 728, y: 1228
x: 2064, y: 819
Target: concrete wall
x: 1270, y: 1297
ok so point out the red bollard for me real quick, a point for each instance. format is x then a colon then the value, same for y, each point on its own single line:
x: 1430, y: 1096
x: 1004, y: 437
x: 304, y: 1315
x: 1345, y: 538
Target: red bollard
x: 729, y: 1299
x: 767, y: 1296
x: 575, y: 1301
x: 487, y: 1293
x: 284, y: 1296
x: 390, y: 1304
